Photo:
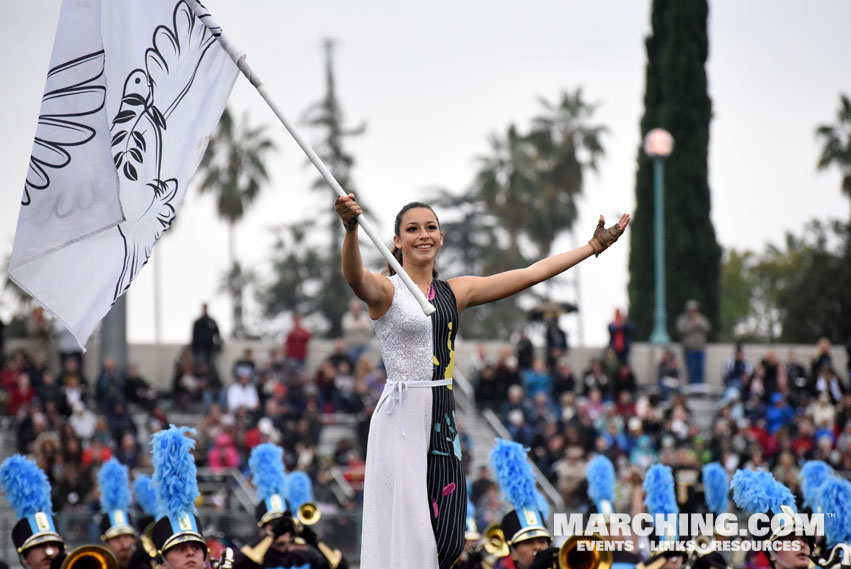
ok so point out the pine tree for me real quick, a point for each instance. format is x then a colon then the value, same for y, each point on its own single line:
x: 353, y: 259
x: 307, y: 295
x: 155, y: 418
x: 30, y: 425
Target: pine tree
x: 677, y: 100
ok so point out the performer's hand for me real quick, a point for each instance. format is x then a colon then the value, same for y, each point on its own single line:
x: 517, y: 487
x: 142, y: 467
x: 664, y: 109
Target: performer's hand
x: 283, y: 525
x: 544, y: 559
x: 308, y: 535
x: 348, y: 210
x: 603, y: 238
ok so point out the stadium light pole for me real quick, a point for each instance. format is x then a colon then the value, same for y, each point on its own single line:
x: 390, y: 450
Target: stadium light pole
x: 658, y: 145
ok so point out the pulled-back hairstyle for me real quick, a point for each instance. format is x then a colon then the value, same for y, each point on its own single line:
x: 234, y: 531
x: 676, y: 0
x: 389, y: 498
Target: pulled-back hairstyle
x: 397, y: 227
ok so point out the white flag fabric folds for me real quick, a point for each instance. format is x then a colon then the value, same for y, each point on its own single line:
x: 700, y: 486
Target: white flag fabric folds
x: 134, y: 91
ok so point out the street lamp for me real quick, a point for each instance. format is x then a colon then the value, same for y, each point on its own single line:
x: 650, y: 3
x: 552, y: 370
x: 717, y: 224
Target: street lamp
x: 658, y: 144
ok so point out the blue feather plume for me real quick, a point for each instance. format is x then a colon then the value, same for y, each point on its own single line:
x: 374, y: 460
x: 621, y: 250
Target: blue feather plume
x: 756, y: 491
x: 174, y: 471
x: 659, y: 486
x: 514, y: 475
x: 299, y: 490
x: 836, y: 499
x: 601, y: 481
x: 813, y: 475
x: 114, y: 486
x: 26, y: 486
x: 267, y: 470
x: 716, y: 487
x: 146, y: 496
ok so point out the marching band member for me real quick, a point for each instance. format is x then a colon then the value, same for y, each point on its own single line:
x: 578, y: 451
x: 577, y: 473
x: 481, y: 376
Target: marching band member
x: 758, y: 492
x: 716, y: 489
x: 177, y: 534
x: 813, y: 476
x: 146, y: 498
x: 28, y: 492
x: 836, y: 505
x: 299, y: 495
x: 529, y: 541
x: 660, y: 499
x: 116, y: 525
x: 601, y: 478
x: 277, y: 545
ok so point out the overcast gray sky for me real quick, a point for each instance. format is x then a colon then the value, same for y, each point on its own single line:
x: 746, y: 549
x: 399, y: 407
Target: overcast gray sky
x: 432, y: 80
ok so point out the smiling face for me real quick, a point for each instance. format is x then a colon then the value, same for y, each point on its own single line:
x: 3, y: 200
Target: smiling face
x: 419, y: 236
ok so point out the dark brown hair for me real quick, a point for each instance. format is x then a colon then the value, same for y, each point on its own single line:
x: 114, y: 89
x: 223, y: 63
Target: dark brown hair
x: 397, y: 227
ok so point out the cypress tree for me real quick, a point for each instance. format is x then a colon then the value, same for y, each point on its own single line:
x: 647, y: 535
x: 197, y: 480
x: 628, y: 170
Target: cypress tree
x: 677, y: 100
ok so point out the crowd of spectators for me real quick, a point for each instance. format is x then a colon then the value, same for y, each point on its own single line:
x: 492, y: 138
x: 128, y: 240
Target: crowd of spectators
x: 773, y: 413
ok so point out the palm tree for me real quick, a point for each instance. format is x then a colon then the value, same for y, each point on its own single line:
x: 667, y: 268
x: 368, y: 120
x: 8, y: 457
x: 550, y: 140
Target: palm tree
x: 837, y: 143
x: 234, y: 170
x: 505, y: 183
x: 564, y: 145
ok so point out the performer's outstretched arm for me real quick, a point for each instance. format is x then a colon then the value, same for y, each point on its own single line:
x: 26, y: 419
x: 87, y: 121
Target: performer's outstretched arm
x: 472, y: 291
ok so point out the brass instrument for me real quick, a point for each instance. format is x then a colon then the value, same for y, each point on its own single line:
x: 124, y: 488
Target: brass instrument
x: 840, y: 557
x: 90, y: 557
x: 704, y: 545
x: 308, y: 514
x: 148, y: 545
x: 494, y: 541
x: 225, y: 561
x: 593, y: 556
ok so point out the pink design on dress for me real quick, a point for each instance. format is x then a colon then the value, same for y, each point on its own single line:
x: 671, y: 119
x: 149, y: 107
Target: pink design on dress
x: 431, y: 292
x: 449, y: 489
x: 434, y: 507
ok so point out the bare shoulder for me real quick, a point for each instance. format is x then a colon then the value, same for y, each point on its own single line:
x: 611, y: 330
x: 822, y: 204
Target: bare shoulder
x: 461, y: 288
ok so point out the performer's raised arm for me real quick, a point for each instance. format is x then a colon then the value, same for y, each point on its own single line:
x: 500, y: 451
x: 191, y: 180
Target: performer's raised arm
x: 375, y: 290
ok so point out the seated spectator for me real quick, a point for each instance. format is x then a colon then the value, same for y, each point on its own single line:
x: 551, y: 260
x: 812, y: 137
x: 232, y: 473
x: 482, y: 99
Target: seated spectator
x: 669, y: 374
x: 487, y: 390
x: 109, y: 390
x: 563, y: 380
x: 736, y: 368
x: 242, y: 394
x: 538, y: 379
x: 22, y: 394
x: 82, y: 421
x: 137, y: 390
x: 128, y: 452
x: 508, y: 371
x: 357, y: 330
x: 779, y: 414
x: 120, y: 423
x: 594, y: 378
x: 223, y: 454
x: 516, y: 401
x: 821, y: 358
x: 624, y: 381
x: 827, y: 381
x: 327, y: 389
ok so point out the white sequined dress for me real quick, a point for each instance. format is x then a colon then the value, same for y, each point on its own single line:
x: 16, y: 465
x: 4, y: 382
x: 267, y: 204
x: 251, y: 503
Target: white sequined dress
x: 415, y: 494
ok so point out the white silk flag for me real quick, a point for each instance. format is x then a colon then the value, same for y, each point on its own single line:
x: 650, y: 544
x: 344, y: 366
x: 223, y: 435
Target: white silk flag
x: 134, y: 92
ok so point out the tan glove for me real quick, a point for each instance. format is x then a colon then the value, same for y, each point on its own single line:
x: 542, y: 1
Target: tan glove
x: 604, y: 237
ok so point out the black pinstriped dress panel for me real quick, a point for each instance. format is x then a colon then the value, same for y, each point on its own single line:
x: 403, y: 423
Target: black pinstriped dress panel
x: 447, y: 487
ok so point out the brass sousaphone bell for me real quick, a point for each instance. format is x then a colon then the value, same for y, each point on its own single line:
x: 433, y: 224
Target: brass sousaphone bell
x: 591, y: 556
x: 90, y: 557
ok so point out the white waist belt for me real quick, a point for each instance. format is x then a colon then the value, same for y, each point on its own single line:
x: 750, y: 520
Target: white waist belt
x: 398, y: 388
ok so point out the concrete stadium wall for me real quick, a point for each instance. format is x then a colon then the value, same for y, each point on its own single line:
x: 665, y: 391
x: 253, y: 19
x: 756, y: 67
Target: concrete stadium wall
x: 157, y: 362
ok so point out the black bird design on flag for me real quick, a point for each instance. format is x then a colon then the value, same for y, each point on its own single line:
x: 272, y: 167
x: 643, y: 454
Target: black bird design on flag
x: 140, y: 135
x: 67, y: 127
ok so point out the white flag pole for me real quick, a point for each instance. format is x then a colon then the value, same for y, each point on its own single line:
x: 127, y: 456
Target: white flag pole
x: 239, y: 59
